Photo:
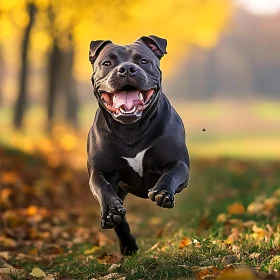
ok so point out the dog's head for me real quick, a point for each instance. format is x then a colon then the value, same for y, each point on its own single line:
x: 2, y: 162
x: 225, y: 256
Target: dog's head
x: 127, y: 79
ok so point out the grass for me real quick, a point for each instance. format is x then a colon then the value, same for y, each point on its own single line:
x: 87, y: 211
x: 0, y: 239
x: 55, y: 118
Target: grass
x: 235, y: 161
x: 215, y: 185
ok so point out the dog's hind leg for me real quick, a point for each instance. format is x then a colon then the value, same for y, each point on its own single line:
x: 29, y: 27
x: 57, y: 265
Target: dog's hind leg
x: 126, y: 240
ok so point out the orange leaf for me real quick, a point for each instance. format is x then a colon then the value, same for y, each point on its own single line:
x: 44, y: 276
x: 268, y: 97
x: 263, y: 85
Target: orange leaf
x: 207, y: 272
x: 185, y: 242
x: 236, y: 208
x: 32, y: 210
x: 9, y: 177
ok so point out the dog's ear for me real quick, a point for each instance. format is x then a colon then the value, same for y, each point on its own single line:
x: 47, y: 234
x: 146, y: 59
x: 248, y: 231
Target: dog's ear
x: 95, y: 48
x: 155, y: 44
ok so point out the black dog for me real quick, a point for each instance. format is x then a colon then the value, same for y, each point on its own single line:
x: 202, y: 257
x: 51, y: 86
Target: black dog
x: 137, y: 141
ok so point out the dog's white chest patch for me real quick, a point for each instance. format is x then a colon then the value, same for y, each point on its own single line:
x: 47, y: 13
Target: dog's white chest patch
x: 137, y: 162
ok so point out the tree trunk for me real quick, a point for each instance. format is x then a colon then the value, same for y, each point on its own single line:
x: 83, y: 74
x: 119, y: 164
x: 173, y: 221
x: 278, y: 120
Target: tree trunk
x: 53, y: 75
x: 21, y: 101
x: 72, y: 105
x: 62, y: 101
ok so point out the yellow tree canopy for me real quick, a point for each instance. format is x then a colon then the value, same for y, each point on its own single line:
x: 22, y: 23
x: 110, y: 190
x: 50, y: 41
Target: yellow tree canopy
x: 181, y: 22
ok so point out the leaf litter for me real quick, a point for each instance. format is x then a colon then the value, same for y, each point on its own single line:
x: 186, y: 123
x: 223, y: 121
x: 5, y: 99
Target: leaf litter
x: 41, y: 225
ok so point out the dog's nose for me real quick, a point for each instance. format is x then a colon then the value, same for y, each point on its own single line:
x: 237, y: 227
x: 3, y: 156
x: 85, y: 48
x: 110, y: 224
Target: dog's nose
x: 127, y: 70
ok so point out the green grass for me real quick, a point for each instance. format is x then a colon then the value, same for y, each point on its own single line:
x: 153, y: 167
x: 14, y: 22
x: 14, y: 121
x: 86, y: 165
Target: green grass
x: 246, y: 136
x: 215, y: 184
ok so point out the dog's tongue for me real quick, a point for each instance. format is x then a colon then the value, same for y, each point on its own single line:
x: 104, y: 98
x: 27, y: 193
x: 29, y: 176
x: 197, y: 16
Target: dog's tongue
x: 127, y: 99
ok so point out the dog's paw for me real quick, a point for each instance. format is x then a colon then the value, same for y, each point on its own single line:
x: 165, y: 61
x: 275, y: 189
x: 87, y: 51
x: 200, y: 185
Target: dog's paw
x: 113, y: 216
x: 162, y: 198
x: 128, y: 247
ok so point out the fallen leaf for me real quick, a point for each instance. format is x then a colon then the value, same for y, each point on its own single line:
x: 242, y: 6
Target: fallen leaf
x: 92, y: 250
x: 32, y: 210
x: 49, y: 277
x: 109, y: 259
x: 7, y: 242
x: 261, y: 232
x: 277, y: 192
x: 236, y: 208
x: 255, y: 208
x: 185, y: 242
x: 112, y: 276
x: 233, y: 237
x: 207, y: 272
x: 11, y: 270
x: 37, y: 272
x: 243, y: 273
x: 154, y: 246
x: 222, y: 218
x: 5, y: 255
x: 268, y: 226
x: 270, y: 204
x: 254, y: 255
x: 275, y: 260
x: 5, y: 277
x: 248, y: 224
x: 114, y: 267
x: 9, y: 177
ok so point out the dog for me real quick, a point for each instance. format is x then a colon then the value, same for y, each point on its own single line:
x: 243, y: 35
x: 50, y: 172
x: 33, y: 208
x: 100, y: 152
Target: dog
x: 136, y: 143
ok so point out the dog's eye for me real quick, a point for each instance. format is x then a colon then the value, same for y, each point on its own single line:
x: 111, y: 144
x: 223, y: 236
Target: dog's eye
x: 106, y: 63
x: 144, y: 61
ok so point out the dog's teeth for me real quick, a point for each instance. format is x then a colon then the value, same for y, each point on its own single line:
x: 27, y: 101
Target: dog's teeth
x: 141, y: 96
x: 122, y: 110
x: 114, y: 99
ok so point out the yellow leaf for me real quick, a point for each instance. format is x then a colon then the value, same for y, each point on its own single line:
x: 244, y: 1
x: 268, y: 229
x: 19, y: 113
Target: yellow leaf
x: 185, y: 242
x: 236, y: 208
x: 262, y: 232
x: 277, y: 192
x: 92, y: 250
x: 37, y: 272
x: 7, y: 242
x: 275, y: 260
x: 270, y: 203
x: 243, y: 273
x: 222, y: 218
x: 255, y: 207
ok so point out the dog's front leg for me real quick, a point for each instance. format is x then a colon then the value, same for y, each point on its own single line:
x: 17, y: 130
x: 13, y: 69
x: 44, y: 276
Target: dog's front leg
x: 175, y: 177
x: 112, y: 210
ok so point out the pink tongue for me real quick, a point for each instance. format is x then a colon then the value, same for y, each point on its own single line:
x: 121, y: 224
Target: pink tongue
x: 127, y: 99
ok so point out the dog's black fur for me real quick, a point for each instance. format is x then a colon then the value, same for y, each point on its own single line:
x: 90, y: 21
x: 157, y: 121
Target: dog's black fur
x: 115, y: 136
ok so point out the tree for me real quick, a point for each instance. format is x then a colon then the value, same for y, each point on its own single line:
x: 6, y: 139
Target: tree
x: 21, y: 100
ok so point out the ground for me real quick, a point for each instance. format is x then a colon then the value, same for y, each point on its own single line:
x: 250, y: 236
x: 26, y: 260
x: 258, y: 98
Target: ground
x: 225, y: 224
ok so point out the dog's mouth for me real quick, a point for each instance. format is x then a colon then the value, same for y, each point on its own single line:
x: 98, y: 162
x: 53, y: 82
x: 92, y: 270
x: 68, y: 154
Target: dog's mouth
x: 128, y: 101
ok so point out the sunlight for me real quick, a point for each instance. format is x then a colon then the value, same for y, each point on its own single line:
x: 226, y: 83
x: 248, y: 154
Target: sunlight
x: 261, y: 7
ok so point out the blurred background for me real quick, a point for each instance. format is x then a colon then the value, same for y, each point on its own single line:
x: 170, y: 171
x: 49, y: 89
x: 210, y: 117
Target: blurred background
x: 221, y: 73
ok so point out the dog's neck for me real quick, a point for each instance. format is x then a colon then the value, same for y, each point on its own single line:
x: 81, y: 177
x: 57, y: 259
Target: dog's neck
x: 136, y: 132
